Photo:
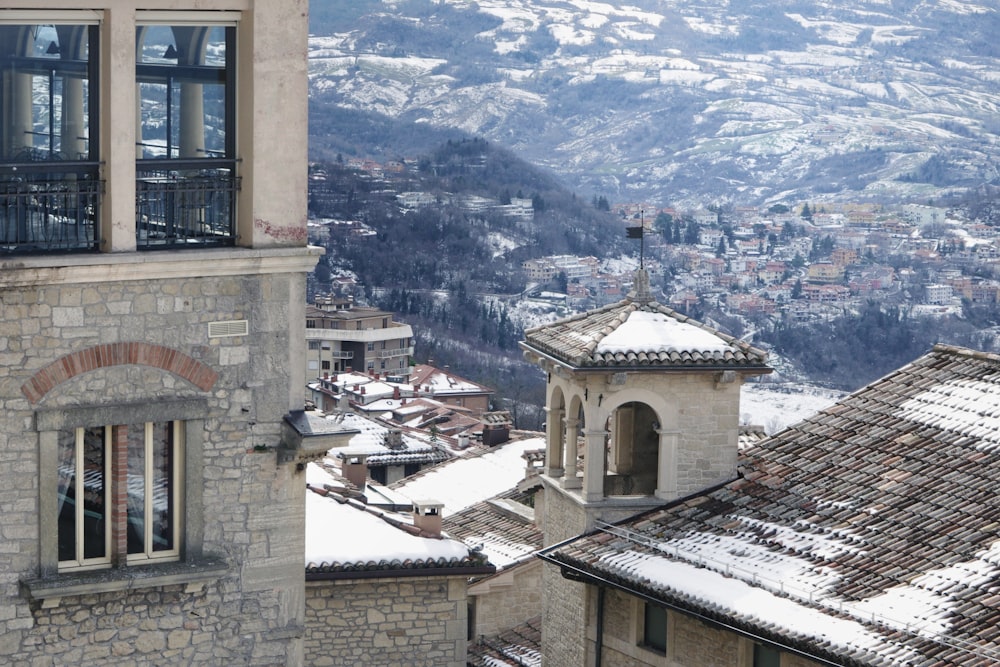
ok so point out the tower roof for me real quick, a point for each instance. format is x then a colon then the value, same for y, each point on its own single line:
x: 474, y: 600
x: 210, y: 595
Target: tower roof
x: 639, y: 332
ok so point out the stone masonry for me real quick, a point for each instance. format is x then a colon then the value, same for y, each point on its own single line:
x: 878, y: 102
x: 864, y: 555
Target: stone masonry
x: 252, y: 509
x: 391, y: 622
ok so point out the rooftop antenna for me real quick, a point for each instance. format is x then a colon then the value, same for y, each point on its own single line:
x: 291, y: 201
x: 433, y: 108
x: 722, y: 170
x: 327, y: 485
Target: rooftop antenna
x: 639, y: 233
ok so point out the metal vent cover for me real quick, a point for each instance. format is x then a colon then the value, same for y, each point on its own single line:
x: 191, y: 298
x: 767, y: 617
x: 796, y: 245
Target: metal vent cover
x: 228, y: 328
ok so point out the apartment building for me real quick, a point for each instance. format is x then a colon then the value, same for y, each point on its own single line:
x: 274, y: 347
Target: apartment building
x: 342, y: 337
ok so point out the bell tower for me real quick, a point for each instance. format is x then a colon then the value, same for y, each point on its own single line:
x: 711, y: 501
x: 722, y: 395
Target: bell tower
x: 642, y: 407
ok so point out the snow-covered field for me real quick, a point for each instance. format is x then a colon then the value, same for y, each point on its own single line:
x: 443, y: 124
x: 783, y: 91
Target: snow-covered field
x: 778, y: 405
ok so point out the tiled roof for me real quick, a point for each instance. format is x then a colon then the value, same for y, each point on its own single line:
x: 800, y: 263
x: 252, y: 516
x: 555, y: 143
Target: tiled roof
x: 517, y: 647
x: 864, y: 535
x: 502, y: 528
x: 346, y: 537
x: 634, y: 333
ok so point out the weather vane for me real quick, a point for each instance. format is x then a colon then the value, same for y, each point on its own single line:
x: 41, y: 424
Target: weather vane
x: 639, y: 233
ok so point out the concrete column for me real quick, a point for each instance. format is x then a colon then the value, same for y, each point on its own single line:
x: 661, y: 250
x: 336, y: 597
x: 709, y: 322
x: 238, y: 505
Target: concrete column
x: 19, y: 130
x: 554, y: 442
x: 118, y: 128
x: 666, y: 473
x: 593, y: 464
x: 572, y: 481
x: 73, y: 124
x: 191, y: 51
x: 73, y: 127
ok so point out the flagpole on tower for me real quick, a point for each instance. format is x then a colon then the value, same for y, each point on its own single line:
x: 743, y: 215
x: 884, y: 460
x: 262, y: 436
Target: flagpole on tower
x: 639, y: 233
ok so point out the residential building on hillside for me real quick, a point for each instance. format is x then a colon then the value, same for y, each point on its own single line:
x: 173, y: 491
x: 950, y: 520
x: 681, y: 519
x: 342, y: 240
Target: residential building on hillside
x: 152, y: 258
x: 443, y: 385
x: 341, y: 337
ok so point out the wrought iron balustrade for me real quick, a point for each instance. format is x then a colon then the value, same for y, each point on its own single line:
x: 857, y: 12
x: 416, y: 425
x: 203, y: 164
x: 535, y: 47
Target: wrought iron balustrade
x: 185, y: 203
x: 49, y: 206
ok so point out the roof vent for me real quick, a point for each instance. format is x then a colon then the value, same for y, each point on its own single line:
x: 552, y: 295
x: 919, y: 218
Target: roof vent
x: 228, y: 328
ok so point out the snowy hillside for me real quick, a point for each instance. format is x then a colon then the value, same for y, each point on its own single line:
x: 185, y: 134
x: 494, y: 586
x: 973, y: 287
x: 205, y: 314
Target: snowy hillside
x: 683, y: 101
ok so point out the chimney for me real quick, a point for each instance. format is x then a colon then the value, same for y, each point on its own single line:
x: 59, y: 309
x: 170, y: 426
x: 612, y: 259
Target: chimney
x: 394, y: 439
x: 355, y: 469
x: 395, y: 393
x: 427, y: 516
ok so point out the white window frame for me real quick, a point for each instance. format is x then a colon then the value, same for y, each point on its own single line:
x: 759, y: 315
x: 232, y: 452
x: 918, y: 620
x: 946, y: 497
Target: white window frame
x: 176, y: 484
x: 79, y: 562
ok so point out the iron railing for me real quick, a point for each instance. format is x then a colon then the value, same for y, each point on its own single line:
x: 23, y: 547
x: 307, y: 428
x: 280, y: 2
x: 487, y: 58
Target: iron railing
x: 49, y: 206
x: 185, y: 203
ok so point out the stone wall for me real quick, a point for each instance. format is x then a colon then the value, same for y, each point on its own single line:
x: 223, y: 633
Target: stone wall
x: 404, y: 622
x: 690, y: 642
x: 564, y: 619
x: 507, y: 599
x: 249, y: 514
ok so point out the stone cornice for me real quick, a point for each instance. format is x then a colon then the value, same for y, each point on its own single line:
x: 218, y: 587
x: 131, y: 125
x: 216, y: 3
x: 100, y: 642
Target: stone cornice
x: 25, y: 271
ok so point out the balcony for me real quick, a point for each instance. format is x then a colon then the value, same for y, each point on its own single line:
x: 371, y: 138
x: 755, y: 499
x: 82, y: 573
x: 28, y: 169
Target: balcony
x: 49, y: 206
x: 397, y: 352
x: 341, y: 354
x: 185, y: 203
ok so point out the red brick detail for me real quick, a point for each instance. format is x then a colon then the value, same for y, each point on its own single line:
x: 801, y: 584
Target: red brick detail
x: 118, y: 354
x: 119, y: 494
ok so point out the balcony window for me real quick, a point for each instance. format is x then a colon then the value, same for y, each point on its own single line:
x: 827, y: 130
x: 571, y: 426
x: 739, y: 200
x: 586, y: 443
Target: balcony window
x: 186, y: 181
x: 49, y: 181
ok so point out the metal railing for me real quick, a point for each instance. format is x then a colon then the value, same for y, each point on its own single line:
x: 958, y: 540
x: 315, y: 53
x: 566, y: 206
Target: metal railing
x: 185, y: 203
x: 49, y: 206
x: 394, y: 352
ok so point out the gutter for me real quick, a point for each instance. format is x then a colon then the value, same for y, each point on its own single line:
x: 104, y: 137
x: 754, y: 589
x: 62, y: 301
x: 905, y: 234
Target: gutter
x: 577, y: 574
x: 341, y: 575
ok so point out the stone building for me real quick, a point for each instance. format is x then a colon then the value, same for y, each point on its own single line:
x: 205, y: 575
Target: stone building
x: 152, y: 262
x: 863, y: 535
x: 382, y: 589
x: 655, y: 398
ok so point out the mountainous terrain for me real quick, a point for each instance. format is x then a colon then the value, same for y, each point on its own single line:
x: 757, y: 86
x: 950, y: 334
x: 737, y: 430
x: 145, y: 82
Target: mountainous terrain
x: 682, y: 102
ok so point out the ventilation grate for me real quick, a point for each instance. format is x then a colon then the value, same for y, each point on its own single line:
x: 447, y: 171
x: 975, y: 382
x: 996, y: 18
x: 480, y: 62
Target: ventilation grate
x: 228, y: 328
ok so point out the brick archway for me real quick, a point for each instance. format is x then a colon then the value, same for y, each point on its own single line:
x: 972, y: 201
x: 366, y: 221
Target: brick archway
x: 118, y: 354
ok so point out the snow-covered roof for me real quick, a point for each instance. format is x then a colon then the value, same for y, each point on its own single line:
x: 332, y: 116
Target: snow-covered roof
x: 866, y: 534
x: 443, y: 382
x: 462, y: 482
x: 502, y: 528
x: 639, y: 332
x: 372, y: 440
x: 521, y: 646
x: 345, y: 536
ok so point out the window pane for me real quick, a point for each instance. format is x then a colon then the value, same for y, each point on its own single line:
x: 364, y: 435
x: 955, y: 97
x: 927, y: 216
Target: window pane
x: 655, y: 628
x: 136, y: 488
x: 45, y: 92
x: 766, y: 656
x: 67, y: 495
x: 185, y: 92
x: 164, y: 510
x: 83, y: 519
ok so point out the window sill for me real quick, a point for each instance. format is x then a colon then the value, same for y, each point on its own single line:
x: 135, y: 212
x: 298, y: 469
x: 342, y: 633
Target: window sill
x: 192, y: 574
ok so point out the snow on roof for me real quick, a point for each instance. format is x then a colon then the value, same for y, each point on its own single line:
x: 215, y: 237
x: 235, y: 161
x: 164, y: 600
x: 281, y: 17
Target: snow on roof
x: 340, y: 532
x: 655, y: 332
x: 865, y: 533
x: 462, y: 482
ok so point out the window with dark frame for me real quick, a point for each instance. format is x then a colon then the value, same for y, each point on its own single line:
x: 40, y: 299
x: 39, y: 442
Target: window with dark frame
x: 50, y: 192
x: 186, y: 180
x: 654, y: 628
x: 766, y: 656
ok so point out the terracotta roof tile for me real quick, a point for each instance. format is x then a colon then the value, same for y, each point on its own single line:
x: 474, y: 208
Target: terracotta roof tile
x: 873, y: 524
